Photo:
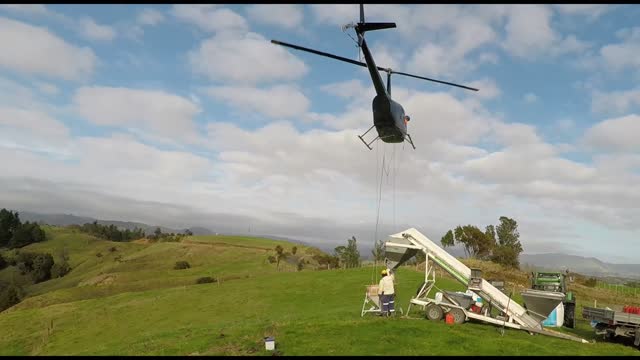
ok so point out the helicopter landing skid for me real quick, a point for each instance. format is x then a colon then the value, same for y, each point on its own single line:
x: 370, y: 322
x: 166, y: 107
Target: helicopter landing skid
x: 372, y: 141
x: 410, y: 141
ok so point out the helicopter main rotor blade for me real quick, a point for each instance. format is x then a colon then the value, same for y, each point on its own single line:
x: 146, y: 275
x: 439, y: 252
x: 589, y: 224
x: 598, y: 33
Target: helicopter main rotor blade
x: 336, y: 57
x: 321, y: 53
x: 434, y: 80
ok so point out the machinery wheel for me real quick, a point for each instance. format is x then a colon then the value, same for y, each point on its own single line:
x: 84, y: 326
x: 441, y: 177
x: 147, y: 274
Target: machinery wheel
x: 458, y: 315
x: 569, y: 315
x: 434, y: 312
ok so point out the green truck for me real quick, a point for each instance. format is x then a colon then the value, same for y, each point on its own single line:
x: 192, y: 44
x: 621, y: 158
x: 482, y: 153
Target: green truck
x: 556, y: 281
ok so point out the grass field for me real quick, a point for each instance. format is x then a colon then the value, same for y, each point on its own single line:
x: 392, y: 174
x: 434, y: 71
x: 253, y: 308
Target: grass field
x: 150, y: 309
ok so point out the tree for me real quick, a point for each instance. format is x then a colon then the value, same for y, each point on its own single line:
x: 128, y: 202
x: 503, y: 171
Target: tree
x: 9, y: 223
x: 26, y: 234
x: 508, y: 233
x: 378, y: 251
x: 42, y: 264
x: 10, y: 296
x: 294, y: 250
x: 340, y: 252
x: 280, y: 255
x: 188, y: 232
x: 474, y: 241
x: 508, y: 249
x: 157, y: 233
x: 349, y: 255
x: 448, y: 239
x: 59, y: 270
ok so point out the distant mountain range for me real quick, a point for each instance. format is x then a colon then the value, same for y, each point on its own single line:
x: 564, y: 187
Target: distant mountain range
x: 69, y: 219
x: 582, y: 265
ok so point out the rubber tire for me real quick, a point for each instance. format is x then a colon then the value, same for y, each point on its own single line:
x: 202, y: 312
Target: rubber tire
x: 434, y: 312
x: 569, y: 315
x: 459, y: 316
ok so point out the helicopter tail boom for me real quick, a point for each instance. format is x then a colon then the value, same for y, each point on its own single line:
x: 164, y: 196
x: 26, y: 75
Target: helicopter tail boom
x: 371, y: 26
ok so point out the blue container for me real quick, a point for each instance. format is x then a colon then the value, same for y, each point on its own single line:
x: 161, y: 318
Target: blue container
x: 552, y: 319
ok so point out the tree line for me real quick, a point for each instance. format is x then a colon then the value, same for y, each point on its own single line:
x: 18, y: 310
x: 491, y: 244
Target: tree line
x: 343, y: 256
x: 109, y: 232
x: 113, y: 233
x: 15, y: 234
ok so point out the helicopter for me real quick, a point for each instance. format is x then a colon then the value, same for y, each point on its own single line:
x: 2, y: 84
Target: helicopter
x: 389, y: 117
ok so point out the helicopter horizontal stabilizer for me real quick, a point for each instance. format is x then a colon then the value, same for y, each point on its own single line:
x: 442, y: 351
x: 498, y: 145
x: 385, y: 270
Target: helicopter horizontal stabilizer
x: 371, y: 26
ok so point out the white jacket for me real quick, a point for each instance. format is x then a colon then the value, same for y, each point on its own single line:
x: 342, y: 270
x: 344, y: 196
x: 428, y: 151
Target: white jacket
x: 386, y: 286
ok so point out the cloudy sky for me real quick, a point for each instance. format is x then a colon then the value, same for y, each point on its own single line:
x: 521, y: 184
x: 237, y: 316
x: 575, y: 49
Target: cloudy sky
x: 187, y: 115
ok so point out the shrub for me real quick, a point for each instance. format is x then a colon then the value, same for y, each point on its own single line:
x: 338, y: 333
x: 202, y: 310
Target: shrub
x: 591, y: 282
x: 272, y: 259
x: 99, y: 254
x: 181, y: 265
x: 112, y: 249
x: 9, y: 296
x: 206, y: 280
x: 3, y: 263
x: 59, y: 270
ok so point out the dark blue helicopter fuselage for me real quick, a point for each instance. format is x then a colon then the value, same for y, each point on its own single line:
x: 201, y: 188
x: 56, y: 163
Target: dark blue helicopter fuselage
x: 388, y: 115
x: 388, y: 118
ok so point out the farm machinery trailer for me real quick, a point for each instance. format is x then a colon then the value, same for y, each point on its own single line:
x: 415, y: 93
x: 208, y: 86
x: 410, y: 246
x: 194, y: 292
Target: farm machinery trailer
x: 481, y: 299
x: 611, y: 323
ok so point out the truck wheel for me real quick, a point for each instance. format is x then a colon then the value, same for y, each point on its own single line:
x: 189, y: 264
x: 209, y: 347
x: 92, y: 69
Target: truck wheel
x: 458, y: 315
x: 434, y: 312
x: 569, y: 315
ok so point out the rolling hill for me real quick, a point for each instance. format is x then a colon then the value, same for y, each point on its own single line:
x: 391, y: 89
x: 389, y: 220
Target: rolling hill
x: 583, y: 265
x: 140, y: 305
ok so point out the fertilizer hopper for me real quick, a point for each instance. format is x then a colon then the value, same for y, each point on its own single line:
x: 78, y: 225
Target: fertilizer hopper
x: 396, y: 255
x: 541, y: 303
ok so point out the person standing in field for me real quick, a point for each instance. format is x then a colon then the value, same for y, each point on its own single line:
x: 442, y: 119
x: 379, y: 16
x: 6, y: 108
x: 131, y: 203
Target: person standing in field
x: 386, y: 293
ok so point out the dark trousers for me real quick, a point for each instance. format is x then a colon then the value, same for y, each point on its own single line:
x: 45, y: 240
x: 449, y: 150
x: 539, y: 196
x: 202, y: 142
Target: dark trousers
x: 387, y: 302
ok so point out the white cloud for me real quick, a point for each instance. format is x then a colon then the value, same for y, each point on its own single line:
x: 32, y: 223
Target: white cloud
x: 279, y: 101
x: 288, y: 16
x: 617, y: 134
x: 590, y: 10
x: 32, y: 130
x: 528, y: 30
x: 621, y: 56
x: 35, y: 50
x: 435, y: 60
x: 487, y: 88
x: 94, y: 31
x: 335, y: 14
x: 48, y: 88
x: 152, y: 110
x: 150, y: 17
x: 210, y: 18
x: 530, y: 98
x: 33, y: 121
x: 615, y: 102
x: 247, y: 59
x: 30, y: 9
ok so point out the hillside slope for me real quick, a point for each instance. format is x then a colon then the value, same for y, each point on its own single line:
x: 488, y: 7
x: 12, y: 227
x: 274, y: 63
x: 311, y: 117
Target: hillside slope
x: 150, y: 309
